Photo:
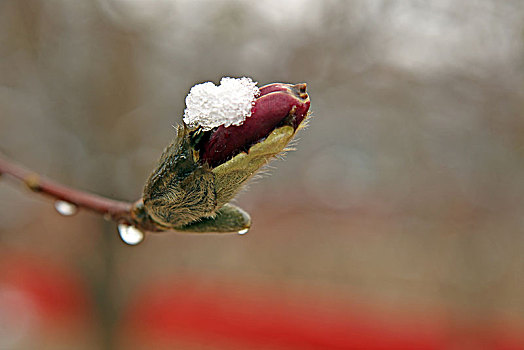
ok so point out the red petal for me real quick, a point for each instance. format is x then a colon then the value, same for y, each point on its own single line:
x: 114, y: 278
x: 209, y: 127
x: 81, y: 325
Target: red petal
x: 269, y: 110
x: 266, y: 89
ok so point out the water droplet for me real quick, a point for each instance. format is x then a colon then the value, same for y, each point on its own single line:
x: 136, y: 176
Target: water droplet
x: 66, y: 208
x: 243, y: 232
x: 130, y: 234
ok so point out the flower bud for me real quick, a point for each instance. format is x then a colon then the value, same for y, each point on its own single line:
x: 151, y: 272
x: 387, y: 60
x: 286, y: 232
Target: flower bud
x: 203, y: 169
x: 278, y: 104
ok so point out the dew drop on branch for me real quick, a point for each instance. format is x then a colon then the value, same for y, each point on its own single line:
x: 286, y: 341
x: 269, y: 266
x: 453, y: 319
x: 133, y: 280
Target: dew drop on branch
x: 130, y: 234
x: 66, y: 208
x: 243, y: 232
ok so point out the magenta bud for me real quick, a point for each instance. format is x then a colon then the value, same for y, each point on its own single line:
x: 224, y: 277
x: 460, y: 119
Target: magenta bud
x: 278, y: 104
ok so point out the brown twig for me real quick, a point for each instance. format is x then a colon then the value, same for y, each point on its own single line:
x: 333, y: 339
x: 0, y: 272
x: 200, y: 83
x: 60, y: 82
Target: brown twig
x: 121, y: 212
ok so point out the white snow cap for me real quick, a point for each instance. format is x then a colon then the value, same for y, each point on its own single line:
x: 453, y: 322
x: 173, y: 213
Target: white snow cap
x: 229, y: 103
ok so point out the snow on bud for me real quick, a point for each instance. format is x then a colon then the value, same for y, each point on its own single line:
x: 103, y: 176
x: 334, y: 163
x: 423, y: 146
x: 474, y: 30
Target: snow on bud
x: 229, y: 103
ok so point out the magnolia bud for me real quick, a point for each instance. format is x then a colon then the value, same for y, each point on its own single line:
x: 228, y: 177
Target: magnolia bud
x: 202, y: 170
x: 278, y: 104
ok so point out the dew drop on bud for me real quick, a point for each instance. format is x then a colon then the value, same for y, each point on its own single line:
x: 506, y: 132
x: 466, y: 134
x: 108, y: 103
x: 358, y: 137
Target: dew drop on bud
x: 243, y: 232
x: 65, y: 208
x: 130, y: 234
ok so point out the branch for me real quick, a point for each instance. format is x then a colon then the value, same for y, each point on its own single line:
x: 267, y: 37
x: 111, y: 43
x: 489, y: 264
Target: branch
x: 118, y: 211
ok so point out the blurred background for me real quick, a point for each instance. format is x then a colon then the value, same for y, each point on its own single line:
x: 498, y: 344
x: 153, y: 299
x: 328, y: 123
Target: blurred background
x: 396, y: 224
